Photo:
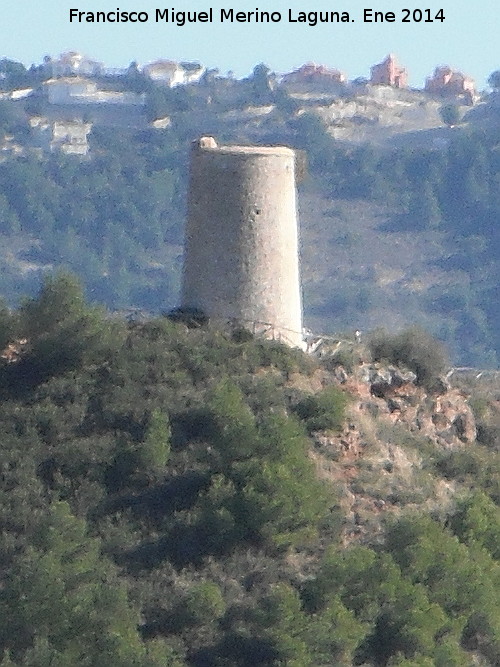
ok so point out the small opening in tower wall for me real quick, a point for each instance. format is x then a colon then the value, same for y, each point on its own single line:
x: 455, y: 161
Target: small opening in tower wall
x: 257, y: 211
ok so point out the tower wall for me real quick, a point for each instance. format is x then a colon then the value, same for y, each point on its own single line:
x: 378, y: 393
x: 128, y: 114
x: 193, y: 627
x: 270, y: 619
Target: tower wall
x: 241, y: 255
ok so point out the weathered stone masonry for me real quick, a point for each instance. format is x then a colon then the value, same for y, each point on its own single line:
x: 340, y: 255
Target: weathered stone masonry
x: 241, y: 254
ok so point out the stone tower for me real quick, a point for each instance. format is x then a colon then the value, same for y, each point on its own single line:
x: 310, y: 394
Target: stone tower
x: 241, y: 255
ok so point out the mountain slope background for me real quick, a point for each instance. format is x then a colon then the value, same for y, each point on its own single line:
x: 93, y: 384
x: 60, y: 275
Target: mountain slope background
x: 399, y: 213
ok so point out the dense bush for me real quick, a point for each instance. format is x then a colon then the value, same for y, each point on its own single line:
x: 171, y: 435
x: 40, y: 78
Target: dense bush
x: 413, y: 349
x: 322, y: 411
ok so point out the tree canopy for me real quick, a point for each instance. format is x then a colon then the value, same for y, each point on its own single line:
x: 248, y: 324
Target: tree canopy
x: 160, y: 506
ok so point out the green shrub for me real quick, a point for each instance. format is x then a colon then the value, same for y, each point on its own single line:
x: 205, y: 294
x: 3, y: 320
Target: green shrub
x: 415, y: 349
x: 154, y: 451
x: 323, y: 411
x: 477, y: 520
x: 450, y: 114
x: 461, y: 464
x: 204, y: 603
x: 347, y: 357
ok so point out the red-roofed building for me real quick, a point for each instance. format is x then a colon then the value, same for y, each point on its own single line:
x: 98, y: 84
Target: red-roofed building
x: 389, y: 73
x: 315, y: 74
x: 446, y: 81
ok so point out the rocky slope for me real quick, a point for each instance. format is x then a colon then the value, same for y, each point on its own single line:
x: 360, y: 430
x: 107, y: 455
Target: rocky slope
x: 383, y: 458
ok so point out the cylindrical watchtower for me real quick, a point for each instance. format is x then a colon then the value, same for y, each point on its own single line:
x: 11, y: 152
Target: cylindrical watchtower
x: 241, y: 255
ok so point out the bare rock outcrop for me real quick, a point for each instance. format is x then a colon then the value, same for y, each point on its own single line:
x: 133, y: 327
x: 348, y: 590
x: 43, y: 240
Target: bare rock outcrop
x: 392, y: 394
x: 376, y: 460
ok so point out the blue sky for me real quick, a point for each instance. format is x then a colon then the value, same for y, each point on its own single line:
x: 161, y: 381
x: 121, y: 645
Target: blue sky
x: 465, y: 40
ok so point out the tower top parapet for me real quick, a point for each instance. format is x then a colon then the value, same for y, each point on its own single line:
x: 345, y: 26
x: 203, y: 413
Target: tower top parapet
x: 209, y: 144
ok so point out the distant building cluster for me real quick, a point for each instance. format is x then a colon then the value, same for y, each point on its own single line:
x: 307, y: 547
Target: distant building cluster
x: 72, y: 79
x: 163, y: 72
x: 444, y: 81
x: 75, y: 88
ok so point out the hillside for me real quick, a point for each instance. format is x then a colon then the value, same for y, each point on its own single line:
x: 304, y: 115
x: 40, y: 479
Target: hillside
x: 177, y: 496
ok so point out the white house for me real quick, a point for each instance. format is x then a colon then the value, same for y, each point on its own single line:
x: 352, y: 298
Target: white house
x: 71, y: 63
x: 164, y: 72
x: 169, y: 73
x: 66, y: 89
x: 69, y: 137
x: 77, y: 90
